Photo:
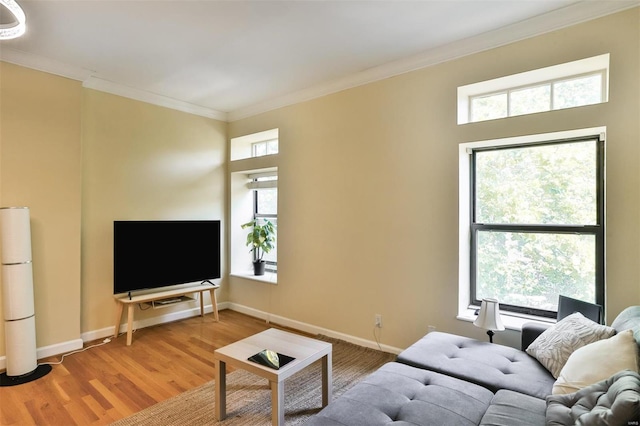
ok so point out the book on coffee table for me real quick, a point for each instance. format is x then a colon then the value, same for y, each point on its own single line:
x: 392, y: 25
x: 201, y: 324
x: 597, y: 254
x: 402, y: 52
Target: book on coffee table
x: 271, y: 359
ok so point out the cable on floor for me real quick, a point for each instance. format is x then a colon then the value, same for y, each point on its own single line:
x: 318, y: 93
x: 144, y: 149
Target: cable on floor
x: 104, y: 342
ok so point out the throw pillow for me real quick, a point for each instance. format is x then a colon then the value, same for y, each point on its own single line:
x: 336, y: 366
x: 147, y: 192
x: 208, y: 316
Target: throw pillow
x: 554, y: 346
x: 598, y: 361
x: 614, y: 401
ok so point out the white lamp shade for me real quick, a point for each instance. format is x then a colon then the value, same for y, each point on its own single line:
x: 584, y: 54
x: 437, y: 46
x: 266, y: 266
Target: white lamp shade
x: 489, y: 316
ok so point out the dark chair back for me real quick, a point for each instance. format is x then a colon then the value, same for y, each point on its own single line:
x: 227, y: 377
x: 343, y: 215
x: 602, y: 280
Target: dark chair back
x: 567, y: 306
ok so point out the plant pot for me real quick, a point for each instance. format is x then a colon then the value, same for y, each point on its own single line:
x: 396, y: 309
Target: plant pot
x: 258, y: 267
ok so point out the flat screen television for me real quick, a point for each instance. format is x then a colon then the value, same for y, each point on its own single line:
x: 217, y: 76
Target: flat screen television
x: 153, y: 254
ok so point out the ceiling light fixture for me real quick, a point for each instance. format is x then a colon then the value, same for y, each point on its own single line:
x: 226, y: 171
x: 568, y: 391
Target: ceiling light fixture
x: 16, y: 29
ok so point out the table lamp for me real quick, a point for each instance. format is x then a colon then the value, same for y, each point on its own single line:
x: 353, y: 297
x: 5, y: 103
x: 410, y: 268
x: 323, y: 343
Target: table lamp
x: 489, y: 317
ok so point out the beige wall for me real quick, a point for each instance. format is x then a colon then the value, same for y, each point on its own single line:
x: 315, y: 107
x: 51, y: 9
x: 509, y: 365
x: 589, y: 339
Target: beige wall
x: 40, y: 168
x: 81, y: 159
x: 141, y: 162
x: 368, y: 187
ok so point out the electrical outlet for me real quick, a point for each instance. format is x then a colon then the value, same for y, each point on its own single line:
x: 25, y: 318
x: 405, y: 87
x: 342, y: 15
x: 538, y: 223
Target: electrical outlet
x: 378, y: 321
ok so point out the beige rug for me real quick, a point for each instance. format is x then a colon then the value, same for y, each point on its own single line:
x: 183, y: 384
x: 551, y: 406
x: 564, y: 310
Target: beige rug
x: 249, y: 396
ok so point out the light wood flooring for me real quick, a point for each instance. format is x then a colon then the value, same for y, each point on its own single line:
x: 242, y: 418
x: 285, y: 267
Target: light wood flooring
x: 112, y: 381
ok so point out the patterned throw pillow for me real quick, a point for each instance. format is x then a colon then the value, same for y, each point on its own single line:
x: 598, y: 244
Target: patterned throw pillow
x: 553, y: 347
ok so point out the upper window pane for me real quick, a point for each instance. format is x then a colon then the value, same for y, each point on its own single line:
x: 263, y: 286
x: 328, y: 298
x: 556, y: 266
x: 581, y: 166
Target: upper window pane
x: 267, y: 201
x: 576, y: 92
x: 544, y: 184
x: 489, y: 107
x: 530, y: 100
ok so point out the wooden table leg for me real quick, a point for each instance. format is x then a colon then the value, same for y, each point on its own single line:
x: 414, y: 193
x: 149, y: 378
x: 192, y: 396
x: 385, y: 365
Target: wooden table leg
x: 327, y: 380
x: 201, y: 304
x: 119, y: 310
x: 130, y: 323
x: 277, y: 403
x: 221, y: 390
x: 214, y: 304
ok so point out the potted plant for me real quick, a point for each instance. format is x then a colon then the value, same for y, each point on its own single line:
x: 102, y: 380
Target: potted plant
x: 262, y: 240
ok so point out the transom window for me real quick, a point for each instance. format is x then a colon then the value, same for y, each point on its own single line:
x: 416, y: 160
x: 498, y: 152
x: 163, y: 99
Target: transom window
x: 536, y: 223
x: 258, y: 149
x: 568, y: 85
x: 559, y: 94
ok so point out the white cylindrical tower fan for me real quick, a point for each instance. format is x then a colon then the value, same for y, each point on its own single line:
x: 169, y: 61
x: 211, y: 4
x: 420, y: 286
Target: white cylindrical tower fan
x: 17, y: 298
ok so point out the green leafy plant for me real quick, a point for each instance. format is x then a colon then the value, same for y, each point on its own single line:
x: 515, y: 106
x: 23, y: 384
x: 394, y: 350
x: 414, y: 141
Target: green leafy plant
x: 262, y: 238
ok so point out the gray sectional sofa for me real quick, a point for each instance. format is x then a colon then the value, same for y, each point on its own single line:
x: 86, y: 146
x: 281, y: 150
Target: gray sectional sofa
x: 445, y: 379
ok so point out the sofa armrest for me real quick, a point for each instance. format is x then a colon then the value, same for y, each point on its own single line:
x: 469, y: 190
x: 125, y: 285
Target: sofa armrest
x: 530, y: 332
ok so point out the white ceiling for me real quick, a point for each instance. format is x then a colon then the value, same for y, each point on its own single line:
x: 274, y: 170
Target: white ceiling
x: 230, y: 59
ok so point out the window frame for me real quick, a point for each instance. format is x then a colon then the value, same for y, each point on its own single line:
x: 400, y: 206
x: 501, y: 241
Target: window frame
x: 596, y: 230
x: 270, y: 266
x: 546, y: 83
x: 557, y: 73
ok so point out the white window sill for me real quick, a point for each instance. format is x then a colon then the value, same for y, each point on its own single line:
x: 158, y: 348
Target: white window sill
x: 268, y: 277
x: 510, y: 320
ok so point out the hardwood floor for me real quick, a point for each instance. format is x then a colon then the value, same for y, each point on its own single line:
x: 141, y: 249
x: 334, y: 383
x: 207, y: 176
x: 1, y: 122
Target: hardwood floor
x: 112, y: 381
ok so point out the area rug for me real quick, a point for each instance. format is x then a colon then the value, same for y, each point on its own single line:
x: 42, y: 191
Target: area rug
x: 249, y: 396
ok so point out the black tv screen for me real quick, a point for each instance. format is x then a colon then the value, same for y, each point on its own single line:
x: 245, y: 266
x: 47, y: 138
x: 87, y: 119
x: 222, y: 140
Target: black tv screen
x: 152, y: 254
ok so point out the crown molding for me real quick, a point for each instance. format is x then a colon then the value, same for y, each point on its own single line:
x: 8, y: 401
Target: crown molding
x: 102, y: 85
x: 42, y: 63
x: 570, y: 15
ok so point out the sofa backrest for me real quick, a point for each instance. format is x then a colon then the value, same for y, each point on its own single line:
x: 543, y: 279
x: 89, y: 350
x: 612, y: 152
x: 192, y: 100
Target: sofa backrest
x: 629, y: 319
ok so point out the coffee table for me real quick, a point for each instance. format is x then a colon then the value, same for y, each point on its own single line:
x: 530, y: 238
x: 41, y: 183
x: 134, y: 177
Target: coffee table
x: 304, y: 349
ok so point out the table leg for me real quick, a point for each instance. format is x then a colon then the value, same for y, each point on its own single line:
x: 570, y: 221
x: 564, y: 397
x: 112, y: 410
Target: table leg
x: 129, y: 324
x: 277, y: 403
x: 327, y: 380
x: 201, y: 304
x: 214, y: 304
x: 221, y: 389
x: 119, y: 310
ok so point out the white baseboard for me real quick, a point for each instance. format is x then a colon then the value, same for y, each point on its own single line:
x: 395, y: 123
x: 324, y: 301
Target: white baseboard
x: 311, y: 329
x: 88, y: 336
x: 51, y: 350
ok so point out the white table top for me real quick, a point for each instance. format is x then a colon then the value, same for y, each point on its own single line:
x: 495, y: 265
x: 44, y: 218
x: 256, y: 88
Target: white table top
x: 305, y: 350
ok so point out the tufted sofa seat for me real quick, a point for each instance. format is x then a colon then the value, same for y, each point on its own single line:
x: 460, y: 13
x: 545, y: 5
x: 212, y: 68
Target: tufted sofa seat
x: 492, y: 366
x: 398, y: 394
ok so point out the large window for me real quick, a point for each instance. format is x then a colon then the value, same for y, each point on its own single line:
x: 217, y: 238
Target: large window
x: 535, y: 220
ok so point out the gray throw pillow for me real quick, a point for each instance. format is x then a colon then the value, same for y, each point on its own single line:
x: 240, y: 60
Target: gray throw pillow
x: 614, y: 401
x: 553, y: 347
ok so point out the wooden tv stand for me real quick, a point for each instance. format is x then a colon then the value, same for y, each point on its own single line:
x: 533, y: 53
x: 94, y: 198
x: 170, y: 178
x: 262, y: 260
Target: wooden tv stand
x: 130, y: 302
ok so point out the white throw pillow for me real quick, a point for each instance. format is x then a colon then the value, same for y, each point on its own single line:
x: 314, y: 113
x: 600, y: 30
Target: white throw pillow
x: 598, y: 361
x: 554, y: 346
